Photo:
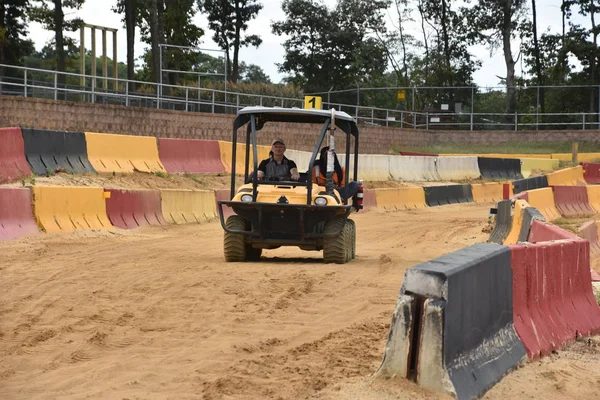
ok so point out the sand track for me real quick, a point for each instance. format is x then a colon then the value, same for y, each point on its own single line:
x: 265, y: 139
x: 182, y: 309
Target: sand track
x: 157, y: 313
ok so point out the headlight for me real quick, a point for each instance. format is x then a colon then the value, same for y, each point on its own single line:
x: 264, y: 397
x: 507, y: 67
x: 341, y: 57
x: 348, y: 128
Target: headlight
x: 247, y: 198
x: 321, y: 201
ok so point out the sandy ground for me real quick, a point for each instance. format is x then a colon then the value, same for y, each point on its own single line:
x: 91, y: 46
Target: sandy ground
x: 156, y: 313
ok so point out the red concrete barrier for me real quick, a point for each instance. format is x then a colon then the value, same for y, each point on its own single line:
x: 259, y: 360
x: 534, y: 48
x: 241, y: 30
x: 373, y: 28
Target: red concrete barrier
x: 129, y: 209
x: 572, y: 200
x: 223, y: 194
x: 16, y: 215
x: 190, y: 155
x: 13, y: 164
x: 543, y: 232
x: 553, y: 301
x: 595, y: 276
x: 589, y: 232
x: 591, y: 172
x: 369, y: 198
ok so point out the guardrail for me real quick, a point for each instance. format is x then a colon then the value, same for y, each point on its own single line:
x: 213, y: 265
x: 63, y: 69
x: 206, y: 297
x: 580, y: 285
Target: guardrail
x: 40, y: 83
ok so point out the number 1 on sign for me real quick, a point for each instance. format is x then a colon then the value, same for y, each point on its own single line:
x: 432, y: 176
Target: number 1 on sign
x: 312, y: 102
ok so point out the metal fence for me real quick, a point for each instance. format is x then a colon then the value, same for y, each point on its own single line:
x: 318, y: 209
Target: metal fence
x: 423, y: 108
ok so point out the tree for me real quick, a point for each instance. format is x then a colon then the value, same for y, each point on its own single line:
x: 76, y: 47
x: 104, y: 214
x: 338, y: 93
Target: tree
x: 536, y: 50
x: 129, y: 8
x: 228, y: 19
x: 338, y: 47
x: 252, y: 73
x: 497, y: 22
x: 13, y: 31
x: 54, y: 19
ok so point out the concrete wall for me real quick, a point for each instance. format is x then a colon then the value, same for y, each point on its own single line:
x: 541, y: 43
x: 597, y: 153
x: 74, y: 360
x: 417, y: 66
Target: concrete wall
x: 73, y: 116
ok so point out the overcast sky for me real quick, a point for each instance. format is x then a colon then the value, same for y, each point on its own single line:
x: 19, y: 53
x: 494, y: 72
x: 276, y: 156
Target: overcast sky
x: 98, y: 12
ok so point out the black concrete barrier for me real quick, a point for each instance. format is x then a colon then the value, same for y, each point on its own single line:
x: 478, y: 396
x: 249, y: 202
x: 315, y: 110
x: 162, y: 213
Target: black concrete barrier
x: 529, y: 215
x: 452, y: 329
x: 503, y: 222
x: 500, y: 168
x: 448, y: 194
x: 48, y: 150
x: 535, y: 182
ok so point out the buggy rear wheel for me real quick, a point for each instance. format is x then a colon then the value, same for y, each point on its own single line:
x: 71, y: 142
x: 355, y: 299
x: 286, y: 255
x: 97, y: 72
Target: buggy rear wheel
x: 352, y: 239
x: 335, y: 248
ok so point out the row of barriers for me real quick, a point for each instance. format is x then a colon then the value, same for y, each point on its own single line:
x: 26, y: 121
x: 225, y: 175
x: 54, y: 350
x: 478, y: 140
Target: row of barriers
x: 24, y: 151
x: 54, y: 209
x: 464, y: 320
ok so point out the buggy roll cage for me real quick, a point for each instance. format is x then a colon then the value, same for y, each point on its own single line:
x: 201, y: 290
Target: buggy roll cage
x: 256, y: 117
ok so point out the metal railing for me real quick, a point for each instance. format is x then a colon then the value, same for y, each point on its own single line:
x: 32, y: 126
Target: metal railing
x: 40, y: 83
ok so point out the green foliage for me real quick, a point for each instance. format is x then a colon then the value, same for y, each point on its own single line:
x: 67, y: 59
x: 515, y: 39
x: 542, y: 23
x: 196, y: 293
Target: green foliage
x: 13, y: 32
x: 228, y: 19
x: 28, y: 181
x: 161, y: 174
x: 337, y: 47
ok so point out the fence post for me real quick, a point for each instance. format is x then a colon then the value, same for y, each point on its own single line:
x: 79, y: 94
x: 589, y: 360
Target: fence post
x: 516, y: 121
x: 25, y: 80
x: 237, y: 102
x: 427, y: 120
x: 472, y: 105
x: 55, y: 86
x: 260, y: 100
x: 372, y: 116
x: 401, y: 119
x: 387, y: 118
x: 583, y: 119
x: 186, y: 99
x: 127, y: 94
x: 213, y: 101
x: 414, y: 120
x: 158, y: 90
x: 93, y: 91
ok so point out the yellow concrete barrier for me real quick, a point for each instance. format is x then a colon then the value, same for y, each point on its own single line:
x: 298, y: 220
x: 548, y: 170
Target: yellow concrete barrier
x: 581, y: 157
x: 226, y: 149
x: 487, y: 192
x: 593, y: 192
x: 400, y: 198
x: 537, y: 164
x: 517, y: 222
x: 67, y: 209
x: 543, y: 200
x: 188, y: 206
x: 568, y: 176
x: 123, y: 153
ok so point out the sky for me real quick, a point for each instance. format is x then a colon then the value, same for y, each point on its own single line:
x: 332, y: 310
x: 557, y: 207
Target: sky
x: 98, y: 12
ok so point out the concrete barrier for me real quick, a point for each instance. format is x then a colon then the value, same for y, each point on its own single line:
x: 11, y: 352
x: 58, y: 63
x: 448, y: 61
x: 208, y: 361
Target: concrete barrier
x: 400, y: 198
x: 499, y: 168
x: 543, y: 200
x: 581, y: 157
x: 553, y: 298
x: 370, y: 198
x: 516, y: 226
x: 503, y: 222
x: 543, y: 232
x: 13, y: 164
x: 447, y: 194
x: 223, y: 194
x: 181, y: 206
x: 529, y: 165
x: 130, y: 209
x: 372, y: 167
x: 16, y: 216
x: 452, y: 329
x: 301, y: 158
x: 591, y: 173
x: 589, y: 232
x: 572, y: 201
x: 413, y: 168
x: 190, y: 155
x: 530, y: 215
x: 67, y: 209
x: 458, y: 168
x: 487, y: 192
x: 568, y: 176
x: 593, y: 193
x: 123, y: 153
x: 48, y: 150
x: 536, y: 182
x: 226, y: 150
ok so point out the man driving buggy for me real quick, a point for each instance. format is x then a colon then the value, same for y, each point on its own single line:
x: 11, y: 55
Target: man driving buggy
x: 278, y: 166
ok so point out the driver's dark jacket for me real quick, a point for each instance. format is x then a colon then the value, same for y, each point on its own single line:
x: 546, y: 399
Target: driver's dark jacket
x: 272, y: 169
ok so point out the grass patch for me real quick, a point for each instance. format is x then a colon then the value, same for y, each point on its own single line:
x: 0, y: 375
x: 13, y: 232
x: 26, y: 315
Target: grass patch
x: 192, y: 177
x: 28, y: 181
x: 161, y: 174
x: 505, y: 148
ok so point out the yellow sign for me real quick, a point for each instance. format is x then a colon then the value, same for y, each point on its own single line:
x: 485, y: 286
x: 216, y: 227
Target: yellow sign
x: 312, y: 102
x: 401, y: 95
